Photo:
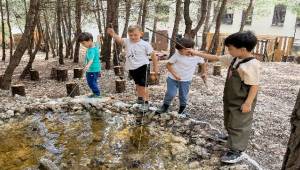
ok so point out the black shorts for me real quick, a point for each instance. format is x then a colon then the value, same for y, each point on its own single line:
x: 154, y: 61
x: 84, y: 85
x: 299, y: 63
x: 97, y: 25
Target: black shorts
x: 140, y: 75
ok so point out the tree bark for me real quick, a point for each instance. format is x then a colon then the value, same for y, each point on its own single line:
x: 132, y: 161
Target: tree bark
x: 176, y: 27
x: 215, y: 40
x: 78, y: 29
x: 144, y: 16
x: 112, y: 18
x: 69, y: 27
x: 206, y: 27
x: 31, y: 21
x: 59, y: 33
x: 127, y: 17
x: 3, y: 32
x: 102, y: 12
x: 292, y: 156
x: 49, y: 36
x: 98, y: 16
x: 139, y: 21
x: 9, y: 29
x: 245, y: 16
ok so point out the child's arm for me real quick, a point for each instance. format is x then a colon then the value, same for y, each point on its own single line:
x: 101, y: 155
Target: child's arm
x: 155, y: 62
x: 209, y: 57
x: 87, y: 66
x: 115, y: 36
x: 172, y: 71
x: 246, y: 107
x: 204, y: 71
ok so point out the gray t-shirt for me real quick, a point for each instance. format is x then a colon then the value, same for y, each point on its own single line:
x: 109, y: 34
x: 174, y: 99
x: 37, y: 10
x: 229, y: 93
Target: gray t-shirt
x: 136, y: 53
x: 184, y: 66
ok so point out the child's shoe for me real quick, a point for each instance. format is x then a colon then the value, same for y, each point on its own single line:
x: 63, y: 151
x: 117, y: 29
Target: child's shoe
x: 183, y: 113
x: 232, y: 157
x: 162, y: 109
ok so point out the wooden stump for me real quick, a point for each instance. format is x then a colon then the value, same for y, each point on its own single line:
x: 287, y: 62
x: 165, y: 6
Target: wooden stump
x: 78, y: 73
x: 34, y: 75
x: 217, y: 70
x: 153, y: 79
x: 290, y: 59
x: 292, y: 155
x: 120, y: 86
x: 119, y: 70
x: 18, y: 89
x: 72, y: 89
x: 298, y: 59
x: 53, y: 74
x: 62, y: 74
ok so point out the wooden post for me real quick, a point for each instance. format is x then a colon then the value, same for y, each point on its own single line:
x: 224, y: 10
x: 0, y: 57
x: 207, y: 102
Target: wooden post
x: 153, y: 79
x: 72, y: 89
x: 34, y: 75
x: 62, y: 74
x: 18, y: 89
x: 298, y: 59
x: 78, y: 73
x: 120, y: 86
x: 119, y: 70
x: 217, y: 70
x: 53, y: 74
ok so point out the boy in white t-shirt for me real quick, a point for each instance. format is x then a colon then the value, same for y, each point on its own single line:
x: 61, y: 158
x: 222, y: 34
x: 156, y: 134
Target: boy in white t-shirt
x: 181, y: 67
x: 137, y: 61
x: 240, y: 92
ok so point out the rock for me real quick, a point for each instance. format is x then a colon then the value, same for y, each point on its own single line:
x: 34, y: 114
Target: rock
x: 46, y: 164
x: 200, y: 151
x: 235, y: 167
x: 1, y: 122
x: 200, y: 141
x: 165, y: 117
x: 9, y: 113
x: 194, y: 165
x: 120, y: 104
x: 179, y: 151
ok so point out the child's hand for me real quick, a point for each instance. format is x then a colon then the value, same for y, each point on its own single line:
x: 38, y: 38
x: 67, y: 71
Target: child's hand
x: 110, y: 31
x: 204, y: 76
x: 177, y: 77
x: 246, y: 107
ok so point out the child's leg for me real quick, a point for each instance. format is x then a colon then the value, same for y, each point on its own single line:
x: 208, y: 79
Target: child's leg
x: 184, y: 88
x: 91, y: 78
x: 172, y: 86
x: 143, y: 91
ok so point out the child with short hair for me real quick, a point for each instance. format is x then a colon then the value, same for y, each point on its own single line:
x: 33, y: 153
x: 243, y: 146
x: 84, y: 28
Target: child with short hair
x: 181, y: 67
x: 137, y: 61
x: 92, y: 63
x: 240, y: 92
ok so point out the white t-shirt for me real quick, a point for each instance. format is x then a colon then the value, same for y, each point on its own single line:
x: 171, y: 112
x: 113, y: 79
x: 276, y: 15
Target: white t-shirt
x: 249, y: 71
x: 136, y: 53
x: 184, y: 66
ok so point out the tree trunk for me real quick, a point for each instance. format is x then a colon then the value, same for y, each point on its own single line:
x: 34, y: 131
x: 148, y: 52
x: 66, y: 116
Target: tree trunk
x: 59, y: 34
x: 292, y: 156
x: 49, y: 36
x: 78, y: 29
x: 139, y: 21
x: 69, y: 27
x: 112, y: 18
x: 154, y: 29
x: 32, y: 55
x: 245, y: 16
x: 31, y: 21
x: 3, y: 31
x: 144, y: 16
x: 215, y: 40
x: 9, y: 29
x: 206, y: 27
x: 98, y: 16
x: 201, y: 20
x: 102, y: 11
x: 128, y: 7
x: 176, y: 27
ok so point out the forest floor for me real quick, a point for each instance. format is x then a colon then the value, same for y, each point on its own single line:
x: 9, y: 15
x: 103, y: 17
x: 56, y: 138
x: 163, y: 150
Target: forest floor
x: 280, y: 84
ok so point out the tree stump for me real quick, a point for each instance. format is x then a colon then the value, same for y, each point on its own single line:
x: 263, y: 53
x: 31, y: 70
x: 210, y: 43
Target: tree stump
x: 78, y: 73
x: 72, y: 89
x: 53, y: 74
x: 120, y: 86
x: 119, y: 70
x: 18, y: 89
x: 292, y: 156
x: 153, y: 79
x: 62, y: 74
x: 34, y: 75
x: 298, y: 59
x: 290, y: 59
x: 217, y: 70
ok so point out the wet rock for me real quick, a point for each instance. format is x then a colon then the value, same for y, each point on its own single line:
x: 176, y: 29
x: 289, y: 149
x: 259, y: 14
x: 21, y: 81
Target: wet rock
x: 46, y: 164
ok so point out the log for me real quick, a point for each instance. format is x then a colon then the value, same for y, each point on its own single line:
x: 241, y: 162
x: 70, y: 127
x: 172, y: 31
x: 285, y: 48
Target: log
x: 78, y: 73
x: 292, y: 156
x: 119, y: 70
x: 62, y: 74
x: 53, y: 74
x: 120, y: 86
x: 153, y: 79
x: 72, y: 89
x: 18, y: 89
x: 34, y: 75
x: 217, y: 70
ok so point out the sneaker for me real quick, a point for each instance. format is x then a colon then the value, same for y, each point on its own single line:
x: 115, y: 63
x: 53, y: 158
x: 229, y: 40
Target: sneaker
x: 183, y: 113
x: 139, y: 100
x: 222, y: 137
x: 162, y: 109
x: 232, y: 157
x: 144, y: 107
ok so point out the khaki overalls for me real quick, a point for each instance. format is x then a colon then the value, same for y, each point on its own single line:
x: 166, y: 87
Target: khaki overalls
x: 237, y: 124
